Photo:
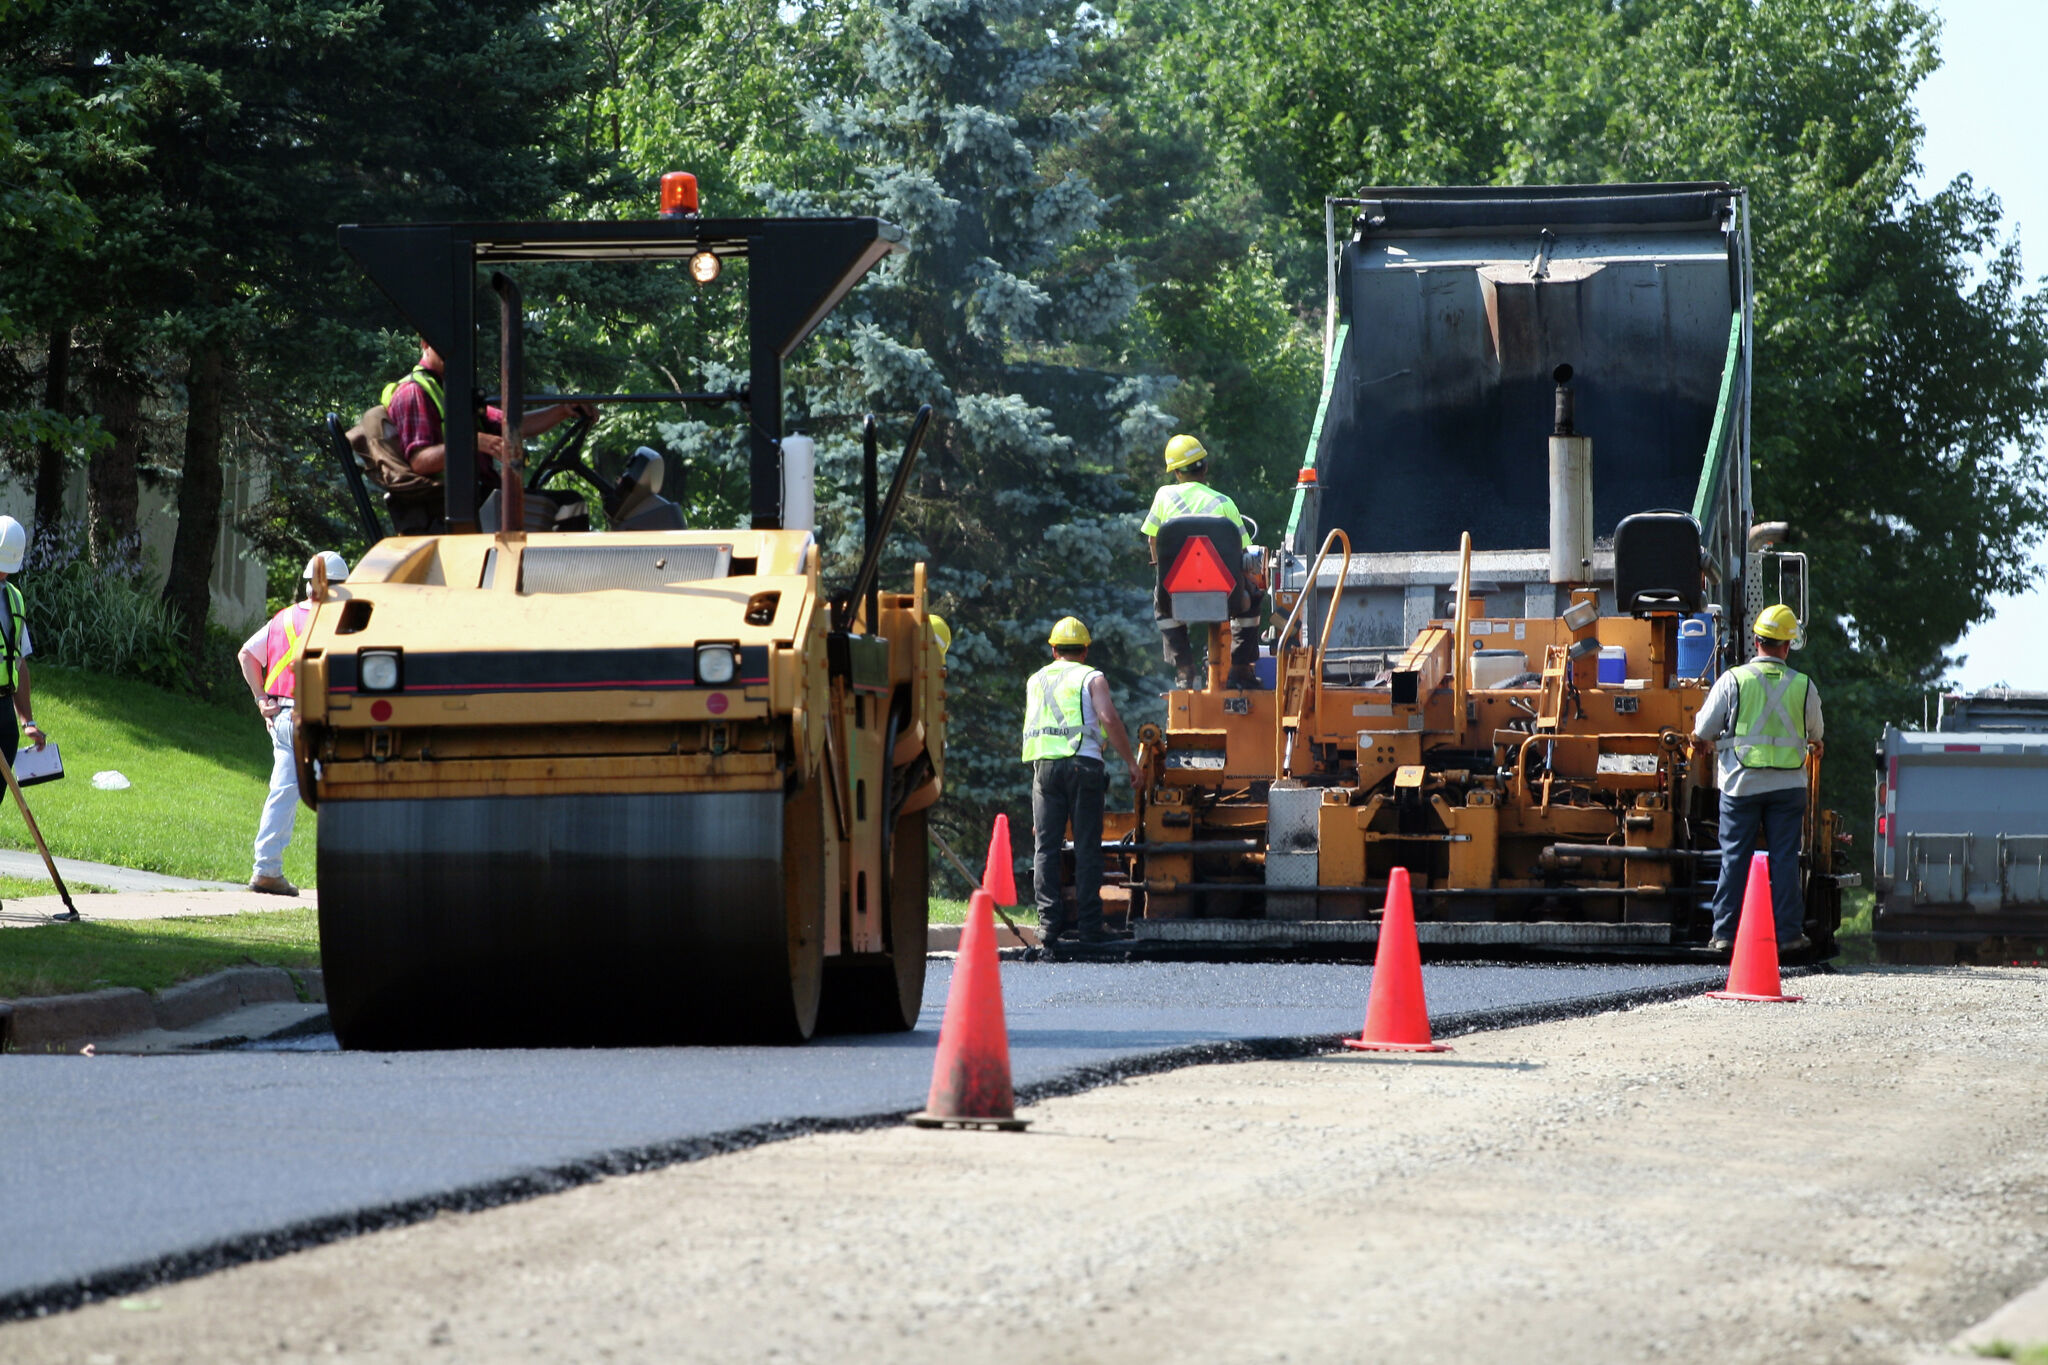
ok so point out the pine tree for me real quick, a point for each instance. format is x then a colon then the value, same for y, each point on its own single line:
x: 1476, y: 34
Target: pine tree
x: 1027, y: 501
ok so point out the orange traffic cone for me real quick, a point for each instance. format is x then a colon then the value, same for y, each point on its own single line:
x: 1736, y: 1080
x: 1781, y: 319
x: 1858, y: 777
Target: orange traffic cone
x: 999, y: 874
x: 1396, y: 1014
x: 1753, y: 972
x: 971, y: 1076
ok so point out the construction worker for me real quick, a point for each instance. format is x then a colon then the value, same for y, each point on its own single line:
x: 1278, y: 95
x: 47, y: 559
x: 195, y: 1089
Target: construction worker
x: 269, y: 659
x: 1067, y: 714
x: 15, y: 645
x: 1188, y: 496
x: 418, y: 410
x: 1760, y: 717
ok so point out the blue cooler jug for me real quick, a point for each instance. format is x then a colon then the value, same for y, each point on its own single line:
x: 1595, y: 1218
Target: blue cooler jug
x: 1696, y: 647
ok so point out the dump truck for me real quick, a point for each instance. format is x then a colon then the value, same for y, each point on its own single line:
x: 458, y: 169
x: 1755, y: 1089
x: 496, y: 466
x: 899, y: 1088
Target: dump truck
x: 642, y: 784
x: 1961, y: 857
x: 1521, y: 547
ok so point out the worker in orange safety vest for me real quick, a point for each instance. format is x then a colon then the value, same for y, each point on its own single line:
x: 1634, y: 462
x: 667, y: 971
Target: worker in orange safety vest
x: 268, y: 659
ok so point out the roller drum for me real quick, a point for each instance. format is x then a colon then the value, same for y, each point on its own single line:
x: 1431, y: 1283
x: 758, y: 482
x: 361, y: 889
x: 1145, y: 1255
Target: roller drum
x: 564, y: 920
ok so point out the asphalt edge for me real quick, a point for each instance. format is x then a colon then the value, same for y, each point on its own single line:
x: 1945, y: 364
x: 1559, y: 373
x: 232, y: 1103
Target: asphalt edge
x: 121, y: 1282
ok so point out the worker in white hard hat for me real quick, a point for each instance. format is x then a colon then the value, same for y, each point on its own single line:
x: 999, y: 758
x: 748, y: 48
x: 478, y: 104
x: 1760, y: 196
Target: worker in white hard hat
x: 15, y: 645
x: 269, y: 660
x: 1761, y: 717
x: 1067, y: 715
x: 1190, y: 496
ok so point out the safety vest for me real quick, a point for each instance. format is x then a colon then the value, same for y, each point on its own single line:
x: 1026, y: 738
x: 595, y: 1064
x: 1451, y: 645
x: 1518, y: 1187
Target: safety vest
x: 17, y: 622
x: 1190, y: 500
x: 1053, y: 722
x: 282, y: 645
x: 1770, y: 715
x: 430, y: 385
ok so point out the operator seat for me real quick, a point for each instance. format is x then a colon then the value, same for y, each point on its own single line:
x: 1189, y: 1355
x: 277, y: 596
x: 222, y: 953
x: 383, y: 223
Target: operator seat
x: 1657, y: 566
x: 635, y: 502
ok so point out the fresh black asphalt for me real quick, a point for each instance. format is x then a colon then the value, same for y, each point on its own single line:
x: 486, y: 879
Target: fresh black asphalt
x: 117, y: 1172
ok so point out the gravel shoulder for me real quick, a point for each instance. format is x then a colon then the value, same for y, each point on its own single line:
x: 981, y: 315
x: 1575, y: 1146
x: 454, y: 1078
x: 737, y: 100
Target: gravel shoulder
x: 1856, y: 1178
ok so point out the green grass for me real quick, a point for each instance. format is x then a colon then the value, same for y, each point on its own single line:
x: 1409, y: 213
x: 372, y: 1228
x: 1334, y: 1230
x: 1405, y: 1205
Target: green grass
x: 61, y: 959
x: 1853, y: 938
x: 948, y: 912
x: 198, y: 775
x: 21, y: 888
x: 2034, y: 1354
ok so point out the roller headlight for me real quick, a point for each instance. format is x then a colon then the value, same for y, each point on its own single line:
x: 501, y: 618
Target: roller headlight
x: 716, y: 665
x: 377, y: 670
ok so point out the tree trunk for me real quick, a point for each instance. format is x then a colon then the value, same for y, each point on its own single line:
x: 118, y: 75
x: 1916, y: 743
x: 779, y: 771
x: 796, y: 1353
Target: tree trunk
x: 189, y: 590
x: 111, y: 497
x: 50, y: 464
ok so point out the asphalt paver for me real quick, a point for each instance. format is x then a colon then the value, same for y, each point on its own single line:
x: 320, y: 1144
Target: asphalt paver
x: 119, y: 1171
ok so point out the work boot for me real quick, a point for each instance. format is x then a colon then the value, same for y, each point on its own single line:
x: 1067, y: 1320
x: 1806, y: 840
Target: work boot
x: 1190, y: 680
x: 1097, y: 937
x: 1721, y: 945
x: 273, y: 886
x: 1795, y: 945
x: 1242, y: 678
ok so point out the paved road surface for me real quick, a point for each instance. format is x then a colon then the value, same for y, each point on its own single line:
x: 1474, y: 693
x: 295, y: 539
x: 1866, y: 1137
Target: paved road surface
x: 117, y: 1169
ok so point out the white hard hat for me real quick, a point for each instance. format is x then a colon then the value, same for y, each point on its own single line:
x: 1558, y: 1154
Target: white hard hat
x: 337, y: 567
x: 13, y: 545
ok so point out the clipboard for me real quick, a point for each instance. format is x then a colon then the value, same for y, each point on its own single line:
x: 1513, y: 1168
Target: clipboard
x: 34, y: 765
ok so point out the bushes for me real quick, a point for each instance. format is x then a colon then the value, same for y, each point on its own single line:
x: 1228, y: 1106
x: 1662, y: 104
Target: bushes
x: 106, y: 617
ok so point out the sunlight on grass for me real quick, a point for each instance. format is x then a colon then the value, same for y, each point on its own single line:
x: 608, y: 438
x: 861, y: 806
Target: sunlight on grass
x: 199, y: 774
x: 60, y: 959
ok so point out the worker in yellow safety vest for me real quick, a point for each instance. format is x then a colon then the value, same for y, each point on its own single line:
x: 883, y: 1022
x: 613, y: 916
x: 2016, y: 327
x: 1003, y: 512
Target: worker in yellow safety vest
x: 1761, y: 717
x: 1189, y: 496
x: 269, y: 661
x: 1067, y: 715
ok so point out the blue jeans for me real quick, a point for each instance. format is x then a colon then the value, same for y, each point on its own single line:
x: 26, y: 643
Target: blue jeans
x: 1781, y: 815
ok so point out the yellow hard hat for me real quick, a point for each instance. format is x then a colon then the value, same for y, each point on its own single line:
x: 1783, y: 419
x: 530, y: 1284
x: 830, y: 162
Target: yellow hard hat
x: 941, y: 632
x: 1068, y: 634
x: 1776, y: 623
x: 1183, y: 451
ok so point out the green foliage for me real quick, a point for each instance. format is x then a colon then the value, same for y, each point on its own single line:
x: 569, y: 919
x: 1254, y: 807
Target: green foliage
x: 198, y: 774
x: 62, y: 959
x: 106, y: 617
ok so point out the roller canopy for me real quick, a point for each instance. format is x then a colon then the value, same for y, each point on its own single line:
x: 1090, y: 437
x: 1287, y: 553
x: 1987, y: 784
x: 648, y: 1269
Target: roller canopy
x: 801, y: 269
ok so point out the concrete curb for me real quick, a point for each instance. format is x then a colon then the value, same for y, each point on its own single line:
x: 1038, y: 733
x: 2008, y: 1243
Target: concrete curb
x: 945, y: 938
x: 65, y: 1023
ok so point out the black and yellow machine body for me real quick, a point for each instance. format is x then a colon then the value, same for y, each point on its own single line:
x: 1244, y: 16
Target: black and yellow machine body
x: 1521, y: 548
x: 631, y: 787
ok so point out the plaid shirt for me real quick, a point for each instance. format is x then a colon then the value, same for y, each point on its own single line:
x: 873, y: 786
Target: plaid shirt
x: 419, y: 423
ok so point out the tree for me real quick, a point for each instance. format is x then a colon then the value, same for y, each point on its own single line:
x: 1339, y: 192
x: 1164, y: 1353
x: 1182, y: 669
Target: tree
x: 1023, y: 506
x: 1902, y: 372
x: 254, y: 134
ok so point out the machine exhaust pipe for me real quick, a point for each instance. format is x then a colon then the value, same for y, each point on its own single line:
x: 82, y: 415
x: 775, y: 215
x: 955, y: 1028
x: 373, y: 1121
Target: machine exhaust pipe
x: 1571, y: 492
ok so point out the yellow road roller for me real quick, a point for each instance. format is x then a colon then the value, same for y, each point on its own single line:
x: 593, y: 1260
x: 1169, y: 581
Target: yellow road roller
x: 645, y: 785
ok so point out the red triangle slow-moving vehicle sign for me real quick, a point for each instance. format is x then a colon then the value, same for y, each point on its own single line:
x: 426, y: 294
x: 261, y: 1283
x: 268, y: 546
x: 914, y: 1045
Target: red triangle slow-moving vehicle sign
x: 1199, y: 567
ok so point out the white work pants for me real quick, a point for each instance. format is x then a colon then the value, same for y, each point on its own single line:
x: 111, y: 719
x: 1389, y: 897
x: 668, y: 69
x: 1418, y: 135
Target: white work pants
x: 281, y: 806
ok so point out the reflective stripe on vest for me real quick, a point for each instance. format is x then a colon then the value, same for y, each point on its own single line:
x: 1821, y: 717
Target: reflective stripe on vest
x: 1194, y: 500
x: 429, y: 385
x: 1770, y: 716
x: 10, y: 647
x: 281, y: 649
x: 1053, y: 718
